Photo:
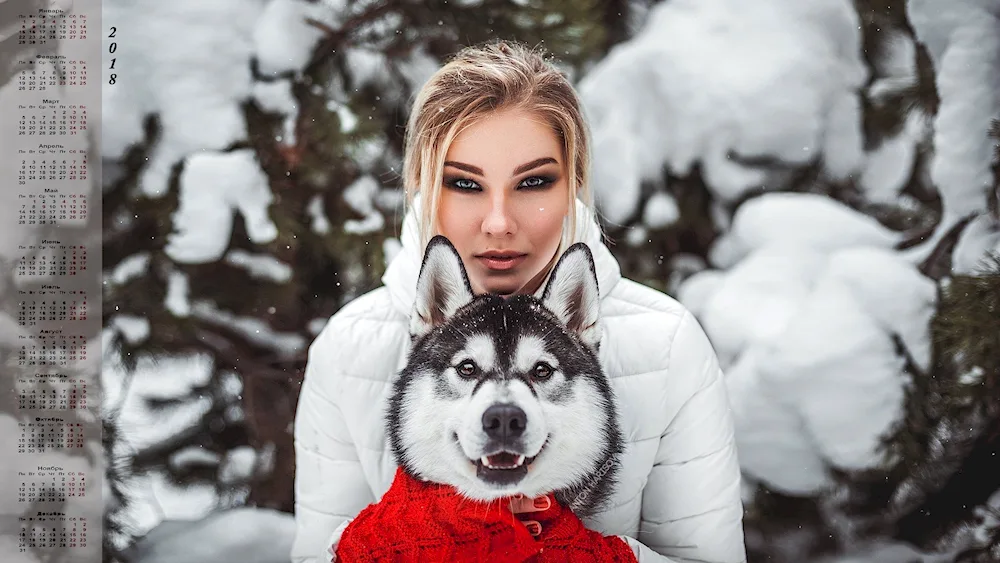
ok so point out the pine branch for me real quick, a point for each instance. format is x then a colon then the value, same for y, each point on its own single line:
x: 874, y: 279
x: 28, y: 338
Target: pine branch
x: 949, y: 441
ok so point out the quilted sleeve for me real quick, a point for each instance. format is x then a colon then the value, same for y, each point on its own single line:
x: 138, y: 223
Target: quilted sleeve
x: 691, y: 504
x: 330, y: 486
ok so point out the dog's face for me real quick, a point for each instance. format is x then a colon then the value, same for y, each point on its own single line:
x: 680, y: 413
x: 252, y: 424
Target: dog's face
x: 503, y: 396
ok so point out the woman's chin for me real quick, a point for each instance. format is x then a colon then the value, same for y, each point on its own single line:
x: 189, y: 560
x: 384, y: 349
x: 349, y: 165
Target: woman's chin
x: 503, y: 291
x: 504, y: 288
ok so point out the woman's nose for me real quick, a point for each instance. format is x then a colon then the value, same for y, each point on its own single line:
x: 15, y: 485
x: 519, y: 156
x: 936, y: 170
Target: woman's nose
x: 499, y: 220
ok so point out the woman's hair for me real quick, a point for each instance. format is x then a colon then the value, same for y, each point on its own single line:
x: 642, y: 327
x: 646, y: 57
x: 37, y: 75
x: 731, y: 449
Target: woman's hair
x: 477, y: 82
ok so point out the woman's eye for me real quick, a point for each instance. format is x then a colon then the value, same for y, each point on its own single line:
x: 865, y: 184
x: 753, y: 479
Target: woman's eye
x: 542, y: 370
x: 464, y: 184
x: 536, y: 182
x: 467, y: 369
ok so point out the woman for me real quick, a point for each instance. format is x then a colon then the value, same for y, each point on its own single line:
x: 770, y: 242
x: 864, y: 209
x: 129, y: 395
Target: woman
x: 497, y: 160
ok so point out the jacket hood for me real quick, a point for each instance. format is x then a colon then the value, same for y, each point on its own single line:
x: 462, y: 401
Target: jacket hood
x: 400, y: 276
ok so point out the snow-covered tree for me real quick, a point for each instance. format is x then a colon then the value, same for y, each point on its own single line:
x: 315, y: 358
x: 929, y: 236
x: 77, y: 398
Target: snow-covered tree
x: 814, y: 180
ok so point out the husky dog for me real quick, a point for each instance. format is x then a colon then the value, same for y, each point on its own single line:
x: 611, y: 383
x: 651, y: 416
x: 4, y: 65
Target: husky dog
x: 506, y: 396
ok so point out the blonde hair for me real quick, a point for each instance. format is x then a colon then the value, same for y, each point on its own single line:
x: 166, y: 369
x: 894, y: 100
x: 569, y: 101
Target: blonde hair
x: 478, y: 81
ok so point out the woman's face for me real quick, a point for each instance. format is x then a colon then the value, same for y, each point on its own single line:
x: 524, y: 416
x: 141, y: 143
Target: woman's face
x: 503, y: 201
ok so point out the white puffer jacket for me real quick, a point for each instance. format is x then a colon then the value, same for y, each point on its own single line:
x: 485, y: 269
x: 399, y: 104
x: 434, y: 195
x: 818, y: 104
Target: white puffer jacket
x: 679, y: 487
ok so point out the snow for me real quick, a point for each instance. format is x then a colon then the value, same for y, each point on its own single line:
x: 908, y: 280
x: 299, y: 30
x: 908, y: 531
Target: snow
x: 165, y: 378
x: 134, y: 329
x: 754, y: 301
x: 238, y: 465
x: 192, y: 456
x: 636, y: 236
x: 177, y: 294
x: 147, y: 428
x: 889, y: 552
x: 770, y: 447
x: 131, y: 267
x: 805, y: 320
x: 367, y: 67
x: 784, y: 84
x: 888, y: 168
x: 838, y: 368
x: 418, y: 67
x: 260, y: 266
x: 212, y: 187
x: 969, y: 86
x: 196, y: 98
x: 366, y: 152
x: 246, y: 535
x: 661, y: 211
x: 198, y: 104
x: 187, y: 502
x: 696, y: 290
x: 320, y: 222
x: 282, y: 39
x: 979, y: 239
x: 964, y: 44
x: 255, y: 330
x: 348, y: 121
x: 897, y: 68
x: 360, y: 196
x: 810, y: 219
x: 316, y: 325
x: 277, y: 97
x: 875, y: 278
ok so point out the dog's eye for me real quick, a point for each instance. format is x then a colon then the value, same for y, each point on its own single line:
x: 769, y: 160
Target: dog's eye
x: 541, y: 370
x: 467, y: 369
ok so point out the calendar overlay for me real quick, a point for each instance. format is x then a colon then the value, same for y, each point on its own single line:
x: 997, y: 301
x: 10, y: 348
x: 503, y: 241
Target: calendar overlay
x: 51, y: 460
x: 51, y: 73
x: 52, y: 259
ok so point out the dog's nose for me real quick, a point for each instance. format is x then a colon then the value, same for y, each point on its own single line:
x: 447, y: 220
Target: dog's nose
x: 503, y: 422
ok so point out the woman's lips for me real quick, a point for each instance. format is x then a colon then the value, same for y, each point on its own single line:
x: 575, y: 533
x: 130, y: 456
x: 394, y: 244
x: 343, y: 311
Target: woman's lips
x: 501, y: 262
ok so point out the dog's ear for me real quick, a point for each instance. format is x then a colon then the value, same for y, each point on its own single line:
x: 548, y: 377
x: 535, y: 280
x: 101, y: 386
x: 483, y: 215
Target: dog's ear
x: 442, y: 287
x: 572, y: 293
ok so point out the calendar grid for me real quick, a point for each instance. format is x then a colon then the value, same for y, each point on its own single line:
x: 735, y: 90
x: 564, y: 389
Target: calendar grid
x: 57, y: 392
x: 41, y: 29
x: 51, y: 260
x: 48, y: 74
x: 51, y: 120
x: 49, y: 158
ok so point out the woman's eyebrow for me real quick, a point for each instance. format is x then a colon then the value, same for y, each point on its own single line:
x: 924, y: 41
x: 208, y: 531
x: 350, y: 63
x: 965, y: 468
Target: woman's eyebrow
x: 522, y: 168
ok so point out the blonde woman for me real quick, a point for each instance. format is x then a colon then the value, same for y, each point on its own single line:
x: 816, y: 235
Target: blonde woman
x: 497, y: 159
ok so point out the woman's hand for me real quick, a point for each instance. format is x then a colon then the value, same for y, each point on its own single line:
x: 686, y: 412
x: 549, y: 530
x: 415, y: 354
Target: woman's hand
x: 522, y: 507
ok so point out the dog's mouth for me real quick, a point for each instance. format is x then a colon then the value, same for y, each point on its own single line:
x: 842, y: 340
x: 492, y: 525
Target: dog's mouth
x: 504, y: 467
x: 504, y: 461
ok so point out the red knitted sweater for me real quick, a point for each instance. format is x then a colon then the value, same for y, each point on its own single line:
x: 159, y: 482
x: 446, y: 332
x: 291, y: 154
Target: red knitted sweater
x: 418, y: 522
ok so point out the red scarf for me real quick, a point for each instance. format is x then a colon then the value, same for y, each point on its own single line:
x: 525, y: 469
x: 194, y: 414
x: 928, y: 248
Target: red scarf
x: 418, y: 521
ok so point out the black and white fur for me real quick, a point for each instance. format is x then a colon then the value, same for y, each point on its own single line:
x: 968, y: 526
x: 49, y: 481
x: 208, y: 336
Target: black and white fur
x: 518, y: 377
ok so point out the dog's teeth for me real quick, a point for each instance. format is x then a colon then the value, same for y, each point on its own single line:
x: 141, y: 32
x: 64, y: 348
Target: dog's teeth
x: 517, y: 462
